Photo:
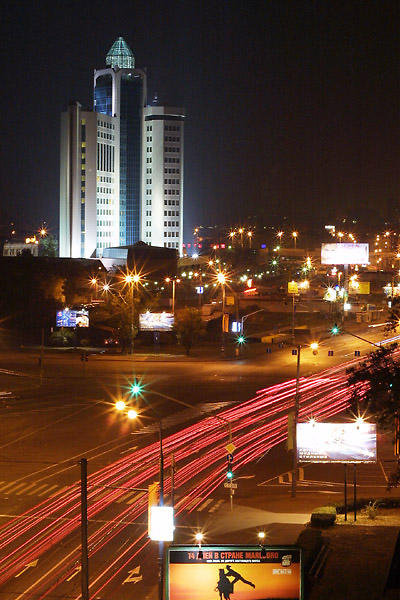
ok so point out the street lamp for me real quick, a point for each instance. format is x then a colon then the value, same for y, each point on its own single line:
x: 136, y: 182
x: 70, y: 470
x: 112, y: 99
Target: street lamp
x: 250, y: 235
x: 314, y: 347
x: 94, y: 283
x: 131, y: 280
x: 294, y: 236
x: 222, y: 281
x: 174, y: 282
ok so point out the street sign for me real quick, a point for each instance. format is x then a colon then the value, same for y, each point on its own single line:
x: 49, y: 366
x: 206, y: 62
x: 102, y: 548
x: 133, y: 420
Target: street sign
x: 230, y: 448
x: 200, y: 289
x: 229, y: 484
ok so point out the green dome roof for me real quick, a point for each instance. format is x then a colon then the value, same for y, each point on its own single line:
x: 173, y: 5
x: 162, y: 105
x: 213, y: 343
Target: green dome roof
x: 120, y: 55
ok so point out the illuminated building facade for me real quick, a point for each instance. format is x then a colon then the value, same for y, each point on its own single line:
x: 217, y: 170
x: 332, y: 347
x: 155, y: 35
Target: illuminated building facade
x: 120, y: 91
x: 162, y: 176
x: 89, y: 183
x: 121, y: 165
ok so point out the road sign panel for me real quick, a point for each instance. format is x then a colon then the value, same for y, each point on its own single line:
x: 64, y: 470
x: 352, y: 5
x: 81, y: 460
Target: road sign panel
x: 229, y: 484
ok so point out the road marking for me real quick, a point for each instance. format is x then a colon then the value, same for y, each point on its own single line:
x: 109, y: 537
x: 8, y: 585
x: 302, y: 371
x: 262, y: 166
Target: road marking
x: 14, y: 488
x: 52, y: 487
x: 133, y: 576
x: 139, y: 495
x: 9, y: 484
x: 40, y: 487
x: 74, y: 574
x: 124, y: 497
x: 216, y: 506
x: 25, y: 489
x: 28, y: 566
x: 206, y: 503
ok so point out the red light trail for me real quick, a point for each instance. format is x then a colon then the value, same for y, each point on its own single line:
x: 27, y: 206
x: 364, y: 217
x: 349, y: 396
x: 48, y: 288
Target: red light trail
x: 257, y: 425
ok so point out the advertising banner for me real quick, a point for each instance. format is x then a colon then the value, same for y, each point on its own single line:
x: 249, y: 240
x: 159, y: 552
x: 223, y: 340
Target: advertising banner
x: 227, y: 572
x: 292, y: 287
x: 72, y: 318
x: 149, y: 321
x: 336, y: 442
x: 344, y: 254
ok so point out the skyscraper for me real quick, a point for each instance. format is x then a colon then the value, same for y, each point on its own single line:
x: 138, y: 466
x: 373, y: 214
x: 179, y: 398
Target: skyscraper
x: 121, y: 171
x: 89, y: 182
x: 162, y: 176
x: 120, y: 91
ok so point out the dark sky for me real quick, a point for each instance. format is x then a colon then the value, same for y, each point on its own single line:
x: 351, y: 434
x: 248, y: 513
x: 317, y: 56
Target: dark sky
x: 292, y: 106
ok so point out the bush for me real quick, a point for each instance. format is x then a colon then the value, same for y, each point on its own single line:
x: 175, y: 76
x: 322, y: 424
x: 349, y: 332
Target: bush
x: 324, y: 516
x: 62, y: 338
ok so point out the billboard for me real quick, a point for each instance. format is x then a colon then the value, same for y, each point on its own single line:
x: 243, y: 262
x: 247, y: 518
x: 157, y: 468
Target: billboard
x: 72, y: 318
x: 149, y: 321
x: 344, y: 254
x: 233, y: 572
x: 336, y: 442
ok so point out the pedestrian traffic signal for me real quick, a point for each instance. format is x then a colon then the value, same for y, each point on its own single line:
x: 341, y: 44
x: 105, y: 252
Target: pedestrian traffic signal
x: 335, y: 329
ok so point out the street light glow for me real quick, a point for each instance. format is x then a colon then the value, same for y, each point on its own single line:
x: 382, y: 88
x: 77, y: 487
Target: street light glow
x: 131, y: 414
x: 120, y: 405
x: 314, y: 346
x: 221, y: 277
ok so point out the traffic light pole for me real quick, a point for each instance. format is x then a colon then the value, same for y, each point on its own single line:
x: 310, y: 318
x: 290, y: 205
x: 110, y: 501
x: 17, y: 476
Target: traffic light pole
x: 84, y: 532
x: 296, y: 418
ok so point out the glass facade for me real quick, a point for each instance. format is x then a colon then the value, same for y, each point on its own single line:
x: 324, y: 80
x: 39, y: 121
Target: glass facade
x: 130, y: 155
x: 103, y: 95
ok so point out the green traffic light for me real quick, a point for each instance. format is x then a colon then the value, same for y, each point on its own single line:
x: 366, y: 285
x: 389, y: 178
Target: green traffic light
x: 335, y: 329
x: 135, y: 389
x: 229, y: 473
x: 240, y: 339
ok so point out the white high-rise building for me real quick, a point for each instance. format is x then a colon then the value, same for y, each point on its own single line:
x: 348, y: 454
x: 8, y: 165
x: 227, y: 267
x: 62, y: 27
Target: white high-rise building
x: 89, y: 183
x: 121, y: 171
x: 162, y: 176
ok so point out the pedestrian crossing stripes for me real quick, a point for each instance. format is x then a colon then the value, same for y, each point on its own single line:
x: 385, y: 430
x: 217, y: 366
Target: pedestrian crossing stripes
x: 47, y: 490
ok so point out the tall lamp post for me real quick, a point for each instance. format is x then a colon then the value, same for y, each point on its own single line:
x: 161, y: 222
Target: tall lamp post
x: 132, y: 279
x: 222, y: 280
x: 174, y: 282
x: 314, y: 347
x: 136, y: 390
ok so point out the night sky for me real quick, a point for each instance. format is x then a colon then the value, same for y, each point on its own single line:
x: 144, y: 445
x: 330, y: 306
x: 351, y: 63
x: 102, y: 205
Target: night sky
x: 292, y: 107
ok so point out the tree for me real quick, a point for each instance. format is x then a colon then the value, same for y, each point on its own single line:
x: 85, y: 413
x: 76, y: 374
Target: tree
x: 49, y: 246
x: 376, y: 383
x: 394, y: 316
x: 189, y: 327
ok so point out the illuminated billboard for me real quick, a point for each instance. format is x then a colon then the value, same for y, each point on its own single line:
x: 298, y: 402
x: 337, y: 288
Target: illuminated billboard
x: 336, y: 442
x: 72, y: 318
x: 234, y: 572
x: 344, y: 254
x: 149, y: 321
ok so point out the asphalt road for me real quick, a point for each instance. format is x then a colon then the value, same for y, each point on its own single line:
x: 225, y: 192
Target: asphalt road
x: 47, y: 424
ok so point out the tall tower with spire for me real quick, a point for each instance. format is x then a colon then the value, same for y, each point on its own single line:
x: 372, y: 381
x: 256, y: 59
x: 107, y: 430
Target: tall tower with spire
x: 120, y: 91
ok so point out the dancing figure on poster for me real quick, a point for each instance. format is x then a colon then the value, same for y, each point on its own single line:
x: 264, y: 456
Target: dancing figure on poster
x: 237, y: 577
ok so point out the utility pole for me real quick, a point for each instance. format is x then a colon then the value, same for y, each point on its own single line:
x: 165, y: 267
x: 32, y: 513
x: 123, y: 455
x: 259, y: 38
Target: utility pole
x: 84, y: 532
x: 296, y: 418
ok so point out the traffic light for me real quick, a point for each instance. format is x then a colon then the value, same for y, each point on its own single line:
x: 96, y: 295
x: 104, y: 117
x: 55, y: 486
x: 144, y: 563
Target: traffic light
x: 335, y: 329
x: 135, y: 388
x: 229, y: 472
x: 240, y: 339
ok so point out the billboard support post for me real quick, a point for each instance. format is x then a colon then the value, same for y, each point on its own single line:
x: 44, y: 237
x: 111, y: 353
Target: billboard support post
x: 355, y: 492
x: 296, y: 418
x: 345, y: 491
